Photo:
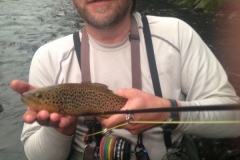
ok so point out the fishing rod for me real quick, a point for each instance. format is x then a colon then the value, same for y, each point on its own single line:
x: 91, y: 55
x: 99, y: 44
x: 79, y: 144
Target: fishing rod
x: 171, y: 109
x: 226, y: 107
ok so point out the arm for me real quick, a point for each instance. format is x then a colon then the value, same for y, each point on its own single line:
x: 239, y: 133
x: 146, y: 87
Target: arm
x: 204, y: 82
x: 42, y: 141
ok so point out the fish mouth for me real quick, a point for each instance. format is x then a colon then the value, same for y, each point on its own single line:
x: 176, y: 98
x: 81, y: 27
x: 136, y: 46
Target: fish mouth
x: 28, y: 101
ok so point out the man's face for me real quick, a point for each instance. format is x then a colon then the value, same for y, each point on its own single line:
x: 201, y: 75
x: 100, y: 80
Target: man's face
x: 103, y: 14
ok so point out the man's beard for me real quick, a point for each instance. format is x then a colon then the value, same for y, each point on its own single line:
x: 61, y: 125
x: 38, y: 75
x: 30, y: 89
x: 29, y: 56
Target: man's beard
x: 108, y: 21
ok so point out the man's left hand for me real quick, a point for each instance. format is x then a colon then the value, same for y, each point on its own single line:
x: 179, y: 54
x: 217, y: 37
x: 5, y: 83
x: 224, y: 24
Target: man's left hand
x: 138, y: 100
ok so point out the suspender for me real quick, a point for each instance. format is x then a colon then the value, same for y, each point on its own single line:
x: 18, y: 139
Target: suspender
x: 135, y: 55
x: 77, y: 45
x: 151, y: 58
x: 136, y: 68
x: 154, y: 73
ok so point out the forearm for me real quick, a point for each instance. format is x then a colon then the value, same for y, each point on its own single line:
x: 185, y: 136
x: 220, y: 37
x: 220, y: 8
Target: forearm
x: 211, y: 130
x: 46, y: 143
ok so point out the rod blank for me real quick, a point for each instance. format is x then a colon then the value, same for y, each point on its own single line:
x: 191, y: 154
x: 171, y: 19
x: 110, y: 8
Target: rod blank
x: 170, y: 109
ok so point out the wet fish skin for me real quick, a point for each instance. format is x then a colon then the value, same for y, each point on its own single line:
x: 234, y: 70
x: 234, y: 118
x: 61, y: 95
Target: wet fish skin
x: 74, y: 99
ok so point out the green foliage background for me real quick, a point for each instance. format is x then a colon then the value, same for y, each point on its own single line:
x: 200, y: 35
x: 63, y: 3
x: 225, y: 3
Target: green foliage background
x: 209, y: 5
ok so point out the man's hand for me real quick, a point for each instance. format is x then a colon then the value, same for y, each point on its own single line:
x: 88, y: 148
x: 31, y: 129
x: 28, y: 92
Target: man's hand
x: 65, y: 124
x: 138, y: 100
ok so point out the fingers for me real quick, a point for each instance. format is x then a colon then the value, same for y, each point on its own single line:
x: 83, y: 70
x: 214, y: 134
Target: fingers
x: 133, y: 128
x: 114, y: 120
x: 21, y: 86
x: 67, y: 125
x: 30, y: 116
x: 55, y: 120
x: 44, y: 118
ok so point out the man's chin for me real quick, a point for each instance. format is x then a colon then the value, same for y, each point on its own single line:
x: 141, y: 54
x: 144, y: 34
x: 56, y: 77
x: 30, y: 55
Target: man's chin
x: 99, y: 19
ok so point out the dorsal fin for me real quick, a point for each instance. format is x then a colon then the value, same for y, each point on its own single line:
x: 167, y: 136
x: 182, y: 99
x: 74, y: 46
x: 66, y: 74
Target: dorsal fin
x: 100, y: 85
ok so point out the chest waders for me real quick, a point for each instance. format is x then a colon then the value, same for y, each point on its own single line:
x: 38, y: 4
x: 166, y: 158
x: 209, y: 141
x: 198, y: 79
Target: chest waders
x: 82, y: 52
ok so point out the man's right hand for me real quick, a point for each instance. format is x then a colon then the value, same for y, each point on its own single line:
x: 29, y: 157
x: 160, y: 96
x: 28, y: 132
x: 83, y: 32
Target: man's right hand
x: 65, y: 124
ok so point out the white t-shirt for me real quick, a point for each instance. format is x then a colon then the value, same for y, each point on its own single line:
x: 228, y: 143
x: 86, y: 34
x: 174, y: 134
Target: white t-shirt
x: 187, y: 69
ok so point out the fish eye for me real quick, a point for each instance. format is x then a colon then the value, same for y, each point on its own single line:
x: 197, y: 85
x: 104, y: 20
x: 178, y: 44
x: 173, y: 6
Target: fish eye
x: 38, y: 95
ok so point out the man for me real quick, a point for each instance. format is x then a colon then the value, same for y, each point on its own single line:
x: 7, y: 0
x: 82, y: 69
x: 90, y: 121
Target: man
x: 188, y: 73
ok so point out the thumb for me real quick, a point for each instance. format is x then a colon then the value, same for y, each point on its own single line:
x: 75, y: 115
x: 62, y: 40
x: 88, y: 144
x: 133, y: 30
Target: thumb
x: 21, y: 86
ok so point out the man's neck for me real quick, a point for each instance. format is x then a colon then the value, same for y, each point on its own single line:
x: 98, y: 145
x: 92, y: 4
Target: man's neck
x: 112, y: 35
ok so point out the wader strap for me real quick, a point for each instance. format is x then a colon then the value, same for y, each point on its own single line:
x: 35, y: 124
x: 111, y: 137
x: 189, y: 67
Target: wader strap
x: 154, y: 74
x: 135, y: 55
x: 77, y: 46
x: 151, y: 57
x: 167, y: 139
x: 85, y: 59
x: 82, y: 52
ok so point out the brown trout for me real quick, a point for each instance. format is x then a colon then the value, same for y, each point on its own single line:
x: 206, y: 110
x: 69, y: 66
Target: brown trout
x: 74, y: 99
